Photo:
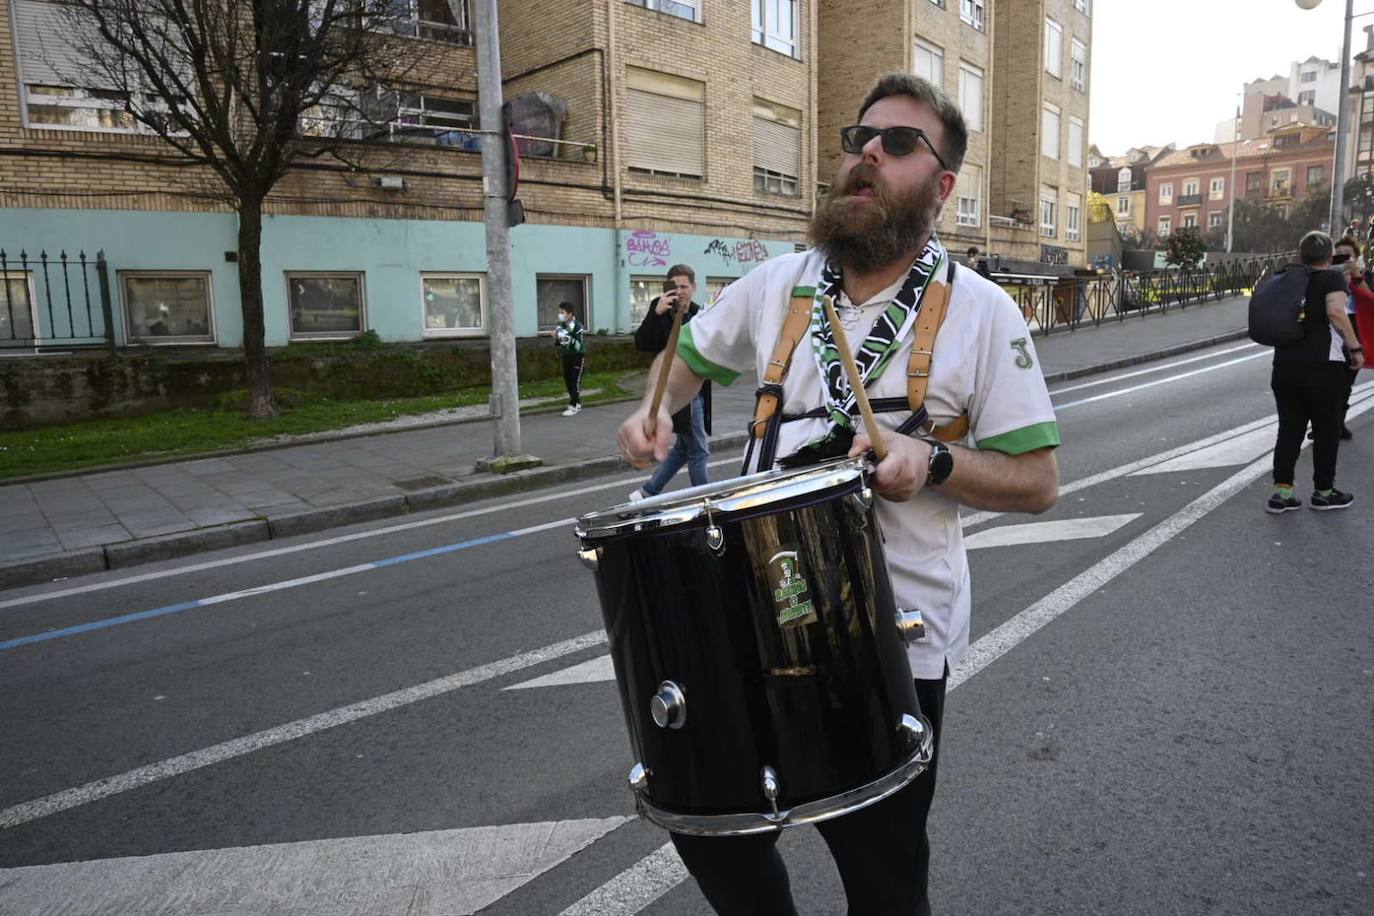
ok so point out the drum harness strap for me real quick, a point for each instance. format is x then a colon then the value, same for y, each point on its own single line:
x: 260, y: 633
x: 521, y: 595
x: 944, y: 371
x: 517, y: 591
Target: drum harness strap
x: 768, y: 419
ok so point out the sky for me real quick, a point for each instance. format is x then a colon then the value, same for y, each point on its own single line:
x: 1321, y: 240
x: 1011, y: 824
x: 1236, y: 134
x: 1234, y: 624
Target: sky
x: 1168, y: 70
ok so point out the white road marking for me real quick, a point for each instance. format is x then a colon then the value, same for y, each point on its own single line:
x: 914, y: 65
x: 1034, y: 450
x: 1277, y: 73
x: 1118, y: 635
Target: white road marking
x: 38, y: 808
x: 434, y: 873
x: 636, y: 887
x: 326, y: 542
x: 1070, y: 529
x: 1240, y: 450
x: 594, y: 671
x: 1163, y: 381
x: 1150, y: 371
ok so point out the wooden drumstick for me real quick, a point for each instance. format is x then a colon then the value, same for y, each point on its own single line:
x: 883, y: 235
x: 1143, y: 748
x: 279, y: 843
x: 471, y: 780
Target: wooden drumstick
x: 855, y: 381
x: 670, y: 351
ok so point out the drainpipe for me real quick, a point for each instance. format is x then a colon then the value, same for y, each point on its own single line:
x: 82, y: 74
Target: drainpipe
x: 986, y: 182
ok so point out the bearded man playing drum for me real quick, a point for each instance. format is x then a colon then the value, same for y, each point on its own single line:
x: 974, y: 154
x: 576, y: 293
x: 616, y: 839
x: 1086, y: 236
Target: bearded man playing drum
x: 875, y: 255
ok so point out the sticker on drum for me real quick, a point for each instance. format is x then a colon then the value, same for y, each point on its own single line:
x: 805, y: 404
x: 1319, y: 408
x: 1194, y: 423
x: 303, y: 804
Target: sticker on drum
x: 791, y: 592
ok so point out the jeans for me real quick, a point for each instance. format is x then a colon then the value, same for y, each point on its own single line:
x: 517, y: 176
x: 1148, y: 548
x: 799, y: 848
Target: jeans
x: 691, y: 449
x: 882, y: 851
x: 1303, y: 393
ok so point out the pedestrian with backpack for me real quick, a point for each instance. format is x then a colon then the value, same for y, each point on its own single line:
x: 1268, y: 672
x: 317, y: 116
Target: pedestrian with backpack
x: 1306, y: 324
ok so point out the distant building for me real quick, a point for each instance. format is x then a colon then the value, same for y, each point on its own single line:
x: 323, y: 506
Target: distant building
x: 1121, y: 179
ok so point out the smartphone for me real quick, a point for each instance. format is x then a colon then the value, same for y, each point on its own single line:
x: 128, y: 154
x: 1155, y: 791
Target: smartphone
x: 669, y: 286
x: 1340, y: 258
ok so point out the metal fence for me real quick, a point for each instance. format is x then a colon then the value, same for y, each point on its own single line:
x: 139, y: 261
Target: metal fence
x: 57, y: 301
x: 1056, y: 303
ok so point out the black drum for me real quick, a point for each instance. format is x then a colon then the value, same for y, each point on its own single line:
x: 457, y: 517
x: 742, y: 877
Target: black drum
x: 759, y: 652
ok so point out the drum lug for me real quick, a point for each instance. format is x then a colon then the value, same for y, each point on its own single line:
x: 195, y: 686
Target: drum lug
x: 918, y: 735
x: 715, y: 539
x: 639, y: 777
x: 910, y: 625
x: 862, y: 500
x: 669, y: 706
x: 771, y: 786
x: 591, y: 557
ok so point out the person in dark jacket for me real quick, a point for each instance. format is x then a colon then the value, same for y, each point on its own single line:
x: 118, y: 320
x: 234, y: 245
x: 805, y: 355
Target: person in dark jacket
x: 692, y: 424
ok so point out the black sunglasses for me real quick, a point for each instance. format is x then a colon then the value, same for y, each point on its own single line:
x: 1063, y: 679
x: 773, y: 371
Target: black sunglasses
x: 897, y: 141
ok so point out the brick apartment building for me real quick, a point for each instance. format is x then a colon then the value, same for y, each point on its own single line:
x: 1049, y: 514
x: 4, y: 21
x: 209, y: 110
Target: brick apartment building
x: 694, y: 132
x: 1192, y: 187
x: 1121, y: 180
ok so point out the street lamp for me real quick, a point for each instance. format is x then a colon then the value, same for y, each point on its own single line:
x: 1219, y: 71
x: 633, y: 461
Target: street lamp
x: 1338, y: 170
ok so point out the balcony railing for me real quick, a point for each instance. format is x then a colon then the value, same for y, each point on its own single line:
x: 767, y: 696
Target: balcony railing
x: 1189, y: 200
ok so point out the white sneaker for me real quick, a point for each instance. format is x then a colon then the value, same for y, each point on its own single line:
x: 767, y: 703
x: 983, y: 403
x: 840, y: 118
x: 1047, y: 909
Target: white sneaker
x: 636, y: 496
x: 573, y: 411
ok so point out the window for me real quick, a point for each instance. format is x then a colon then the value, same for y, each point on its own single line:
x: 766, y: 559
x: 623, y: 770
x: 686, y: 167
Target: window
x: 939, y: 3
x: 971, y: 12
x: 1076, y: 142
x: 643, y: 290
x: 1054, y: 48
x: 1309, y: 77
x: 1216, y: 189
x: 18, y: 324
x: 453, y: 304
x: 968, y: 193
x: 775, y: 25
x: 167, y: 308
x: 1049, y: 203
x: 431, y: 19
x: 1166, y: 194
x: 1123, y: 206
x: 1165, y: 227
x: 652, y: 100
x: 1081, y: 5
x: 1049, y: 131
x: 777, y: 148
x: 325, y: 304
x: 714, y: 287
x: 1190, y: 220
x: 930, y: 63
x: 1254, y: 181
x: 1214, y: 219
x: 1316, y: 174
x: 1307, y: 98
x: 971, y: 95
x: 1123, y: 179
x: 1078, y: 65
x: 445, y: 122
x: 683, y: 9
x: 1191, y: 187
x: 552, y: 289
x: 1279, y: 181
x: 1073, y: 210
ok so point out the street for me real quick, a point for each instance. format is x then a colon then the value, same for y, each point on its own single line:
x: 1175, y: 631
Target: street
x: 1166, y: 708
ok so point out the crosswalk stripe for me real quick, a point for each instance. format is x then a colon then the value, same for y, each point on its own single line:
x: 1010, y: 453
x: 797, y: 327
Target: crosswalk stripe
x: 416, y: 874
x: 594, y: 671
x: 1069, y: 529
x: 635, y: 888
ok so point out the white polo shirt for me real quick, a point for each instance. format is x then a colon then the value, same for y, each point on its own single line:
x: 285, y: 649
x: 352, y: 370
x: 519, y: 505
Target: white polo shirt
x: 984, y: 363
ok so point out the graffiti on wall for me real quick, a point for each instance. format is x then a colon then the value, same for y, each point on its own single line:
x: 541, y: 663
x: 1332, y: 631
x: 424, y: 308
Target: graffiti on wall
x: 647, y: 249
x: 745, y: 252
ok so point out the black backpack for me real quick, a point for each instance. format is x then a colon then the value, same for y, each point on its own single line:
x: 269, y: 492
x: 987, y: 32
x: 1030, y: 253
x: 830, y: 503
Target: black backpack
x: 1277, y: 306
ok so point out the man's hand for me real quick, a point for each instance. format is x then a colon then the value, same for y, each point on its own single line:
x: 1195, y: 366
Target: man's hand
x: 637, y: 447
x: 1357, y: 360
x: 666, y: 303
x: 902, y: 474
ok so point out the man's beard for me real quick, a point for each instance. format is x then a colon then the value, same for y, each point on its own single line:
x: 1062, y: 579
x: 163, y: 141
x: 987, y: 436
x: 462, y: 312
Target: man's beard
x: 864, y: 234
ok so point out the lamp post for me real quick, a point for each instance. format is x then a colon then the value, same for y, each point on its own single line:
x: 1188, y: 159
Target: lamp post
x: 1231, y: 207
x: 1338, y: 169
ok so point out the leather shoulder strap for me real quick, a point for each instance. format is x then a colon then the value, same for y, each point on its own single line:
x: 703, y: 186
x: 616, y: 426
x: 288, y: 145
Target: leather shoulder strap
x: 928, y: 322
x: 794, y: 327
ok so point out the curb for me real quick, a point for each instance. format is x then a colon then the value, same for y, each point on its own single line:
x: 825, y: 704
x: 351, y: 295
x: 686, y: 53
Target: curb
x: 48, y: 567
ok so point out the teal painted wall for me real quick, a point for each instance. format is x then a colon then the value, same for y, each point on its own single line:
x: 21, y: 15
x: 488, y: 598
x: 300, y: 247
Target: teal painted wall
x: 390, y: 253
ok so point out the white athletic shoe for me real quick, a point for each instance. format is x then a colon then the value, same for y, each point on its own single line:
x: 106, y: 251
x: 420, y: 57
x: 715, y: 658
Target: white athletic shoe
x: 636, y: 496
x: 573, y: 411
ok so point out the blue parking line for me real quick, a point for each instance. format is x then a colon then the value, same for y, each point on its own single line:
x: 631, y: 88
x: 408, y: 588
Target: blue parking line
x: 205, y: 602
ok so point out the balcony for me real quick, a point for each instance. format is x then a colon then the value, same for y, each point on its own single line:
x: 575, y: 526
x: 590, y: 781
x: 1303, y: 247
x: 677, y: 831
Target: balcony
x: 1189, y: 200
x: 1280, y: 192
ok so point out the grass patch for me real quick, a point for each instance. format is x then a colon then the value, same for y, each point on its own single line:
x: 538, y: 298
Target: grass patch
x: 175, y: 433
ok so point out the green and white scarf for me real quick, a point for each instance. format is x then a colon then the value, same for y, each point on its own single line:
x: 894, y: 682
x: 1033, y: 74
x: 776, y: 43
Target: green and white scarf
x: 873, y: 357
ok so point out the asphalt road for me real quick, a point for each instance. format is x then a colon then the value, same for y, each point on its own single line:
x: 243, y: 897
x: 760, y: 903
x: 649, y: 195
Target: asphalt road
x: 1167, y: 708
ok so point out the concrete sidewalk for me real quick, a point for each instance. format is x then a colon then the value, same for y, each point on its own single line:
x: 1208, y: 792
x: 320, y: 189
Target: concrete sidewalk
x: 116, y: 518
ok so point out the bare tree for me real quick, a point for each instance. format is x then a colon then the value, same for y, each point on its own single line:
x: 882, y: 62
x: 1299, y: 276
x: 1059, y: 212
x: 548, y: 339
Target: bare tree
x: 247, y: 91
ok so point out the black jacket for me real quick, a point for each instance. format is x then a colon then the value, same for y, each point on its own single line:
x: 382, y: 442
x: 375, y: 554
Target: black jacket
x: 652, y: 337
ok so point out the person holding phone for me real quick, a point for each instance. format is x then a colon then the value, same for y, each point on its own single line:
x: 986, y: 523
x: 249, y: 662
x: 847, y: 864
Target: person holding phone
x: 692, y: 424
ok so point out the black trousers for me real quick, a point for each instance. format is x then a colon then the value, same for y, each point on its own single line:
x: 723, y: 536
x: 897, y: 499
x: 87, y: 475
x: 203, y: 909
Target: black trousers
x: 1308, y: 393
x: 572, y: 376
x: 882, y: 852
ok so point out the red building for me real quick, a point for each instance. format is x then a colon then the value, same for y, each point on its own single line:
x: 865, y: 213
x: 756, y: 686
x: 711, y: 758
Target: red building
x: 1192, y: 187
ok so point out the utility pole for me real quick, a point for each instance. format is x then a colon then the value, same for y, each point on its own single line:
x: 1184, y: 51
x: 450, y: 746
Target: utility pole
x: 1342, y: 122
x: 505, y: 390
x: 1231, y: 209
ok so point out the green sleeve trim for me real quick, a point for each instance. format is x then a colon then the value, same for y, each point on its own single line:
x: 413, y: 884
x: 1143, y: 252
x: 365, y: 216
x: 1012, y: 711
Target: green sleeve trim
x: 1025, y: 439
x: 803, y: 292
x: 687, y: 352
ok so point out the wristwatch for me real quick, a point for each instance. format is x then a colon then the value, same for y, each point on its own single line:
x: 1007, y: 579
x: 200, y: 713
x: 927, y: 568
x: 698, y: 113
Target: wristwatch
x: 941, y: 463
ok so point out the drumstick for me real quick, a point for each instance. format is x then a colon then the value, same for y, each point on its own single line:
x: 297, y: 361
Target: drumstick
x: 855, y: 382
x: 663, y: 370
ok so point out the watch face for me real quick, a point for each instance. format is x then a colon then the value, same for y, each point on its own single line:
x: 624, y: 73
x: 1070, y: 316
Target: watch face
x: 941, y: 464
